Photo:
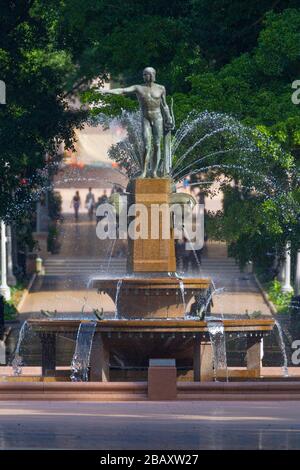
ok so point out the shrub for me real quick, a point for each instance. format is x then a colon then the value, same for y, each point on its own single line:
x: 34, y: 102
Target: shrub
x: 280, y: 299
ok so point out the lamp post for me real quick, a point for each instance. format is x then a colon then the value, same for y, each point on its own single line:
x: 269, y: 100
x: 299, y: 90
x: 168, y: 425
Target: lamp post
x: 4, y: 289
x: 297, y: 274
x: 2, y: 343
x: 287, y: 274
x: 10, y: 274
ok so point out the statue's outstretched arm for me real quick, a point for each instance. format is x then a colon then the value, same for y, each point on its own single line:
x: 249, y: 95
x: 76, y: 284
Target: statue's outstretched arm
x: 119, y: 91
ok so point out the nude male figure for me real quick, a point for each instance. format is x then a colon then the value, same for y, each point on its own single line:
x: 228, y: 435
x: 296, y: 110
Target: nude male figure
x: 156, y: 117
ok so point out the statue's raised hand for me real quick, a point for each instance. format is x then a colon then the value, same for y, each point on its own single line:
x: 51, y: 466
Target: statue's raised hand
x: 169, y: 125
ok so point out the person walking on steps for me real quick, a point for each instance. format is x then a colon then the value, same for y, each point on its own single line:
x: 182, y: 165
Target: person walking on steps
x: 76, y: 203
x: 90, y: 203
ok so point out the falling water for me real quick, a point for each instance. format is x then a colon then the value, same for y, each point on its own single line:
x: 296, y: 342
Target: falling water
x: 204, y: 303
x: 83, y: 305
x: 186, y: 234
x: 111, y: 254
x: 119, y: 285
x: 285, y: 370
x: 129, y: 151
x: 17, y: 362
x: 203, y: 138
x: 217, y: 339
x: 181, y: 286
x: 81, y: 357
x: 197, y: 259
x: 212, y: 293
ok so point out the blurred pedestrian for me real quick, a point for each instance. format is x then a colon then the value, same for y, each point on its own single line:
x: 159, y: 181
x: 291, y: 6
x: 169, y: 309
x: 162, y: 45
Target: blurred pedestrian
x: 101, y: 200
x: 90, y: 203
x: 76, y: 203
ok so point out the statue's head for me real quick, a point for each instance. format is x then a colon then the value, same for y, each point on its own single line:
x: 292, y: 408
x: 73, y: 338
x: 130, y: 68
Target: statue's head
x: 149, y: 74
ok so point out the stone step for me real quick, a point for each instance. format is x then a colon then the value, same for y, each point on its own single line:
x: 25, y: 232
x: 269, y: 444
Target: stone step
x: 92, y: 266
x: 82, y: 262
x: 122, y: 259
x: 205, y: 264
x: 103, y: 266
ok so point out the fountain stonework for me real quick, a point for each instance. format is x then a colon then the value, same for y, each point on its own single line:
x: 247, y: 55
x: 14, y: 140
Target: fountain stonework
x: 150, y: 291
x: 152, y: 255
x: 152, y: 321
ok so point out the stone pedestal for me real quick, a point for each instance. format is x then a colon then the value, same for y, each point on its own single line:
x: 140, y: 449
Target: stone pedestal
x: 48, y: 354
x: 99, y: 361
x: 203, y: 360
x: 162, y: 379
x: 154, y: 254
x: 253, y: 356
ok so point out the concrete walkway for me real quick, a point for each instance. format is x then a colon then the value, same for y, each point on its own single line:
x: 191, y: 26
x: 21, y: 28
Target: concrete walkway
x: 150, y: 425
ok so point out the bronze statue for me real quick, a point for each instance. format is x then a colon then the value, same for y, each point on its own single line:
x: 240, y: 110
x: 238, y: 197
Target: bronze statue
x: 156, y: 119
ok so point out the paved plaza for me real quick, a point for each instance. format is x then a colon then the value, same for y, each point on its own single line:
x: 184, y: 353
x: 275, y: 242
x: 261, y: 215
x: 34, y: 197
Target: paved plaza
x: 150, y: 425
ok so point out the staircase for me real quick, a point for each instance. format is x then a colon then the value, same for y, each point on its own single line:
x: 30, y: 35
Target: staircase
x: 83, y: 267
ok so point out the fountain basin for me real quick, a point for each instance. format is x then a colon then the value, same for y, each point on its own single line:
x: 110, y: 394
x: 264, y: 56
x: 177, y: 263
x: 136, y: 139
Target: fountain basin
x: 152, y: 297
x: 131, y: 343
x: 248, y: 326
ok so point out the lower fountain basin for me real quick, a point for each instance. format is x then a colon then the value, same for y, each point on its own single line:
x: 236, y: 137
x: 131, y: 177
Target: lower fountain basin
x: 121, y: 346
x: 135, y: 341
x: 235, y: 325
x: 153, y: 297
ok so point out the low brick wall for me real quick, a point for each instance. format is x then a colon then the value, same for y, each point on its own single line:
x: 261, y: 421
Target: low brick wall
x: 70, y: 391
x: 137, y: 391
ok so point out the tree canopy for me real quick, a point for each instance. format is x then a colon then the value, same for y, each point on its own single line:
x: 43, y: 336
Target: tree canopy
x: 226, y: 56
x: 36, y: 116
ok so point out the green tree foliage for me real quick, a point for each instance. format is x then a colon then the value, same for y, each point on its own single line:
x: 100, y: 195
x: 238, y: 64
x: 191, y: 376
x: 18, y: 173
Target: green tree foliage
x: 226, y: 56
x: 36, y: 117
x: 256, y: 88
x: 227, y: 28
